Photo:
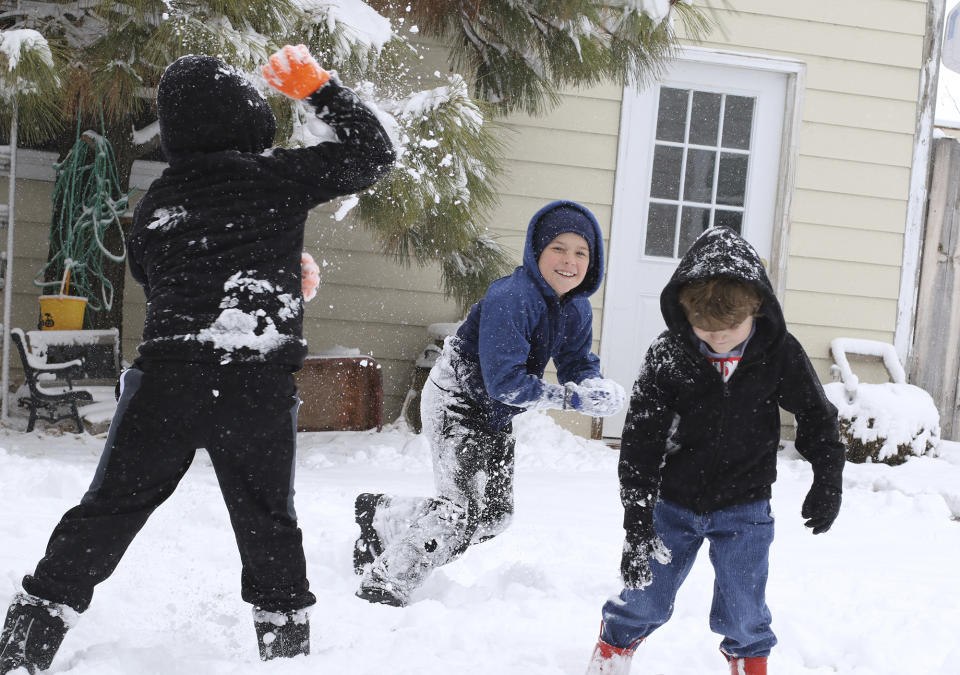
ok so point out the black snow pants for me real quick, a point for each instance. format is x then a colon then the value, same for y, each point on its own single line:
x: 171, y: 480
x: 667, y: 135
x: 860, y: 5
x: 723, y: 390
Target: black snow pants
x: 245, y: 418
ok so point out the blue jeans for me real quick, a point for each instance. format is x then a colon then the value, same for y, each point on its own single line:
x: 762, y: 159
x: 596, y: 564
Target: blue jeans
x: 740, y: 538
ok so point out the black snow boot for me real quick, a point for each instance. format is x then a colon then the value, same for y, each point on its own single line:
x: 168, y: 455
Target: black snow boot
x: 282, y: 635
x: 32, y: 633
x: 368, y: 545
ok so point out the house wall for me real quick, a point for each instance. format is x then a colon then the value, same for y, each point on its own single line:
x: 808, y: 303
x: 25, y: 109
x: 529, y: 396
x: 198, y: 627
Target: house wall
x: 849, y: 208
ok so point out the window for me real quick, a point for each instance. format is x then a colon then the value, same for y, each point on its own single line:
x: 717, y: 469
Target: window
x: 700, y: 162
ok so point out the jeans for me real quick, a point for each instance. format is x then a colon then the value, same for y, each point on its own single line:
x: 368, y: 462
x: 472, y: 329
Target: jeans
x: 740, y: 538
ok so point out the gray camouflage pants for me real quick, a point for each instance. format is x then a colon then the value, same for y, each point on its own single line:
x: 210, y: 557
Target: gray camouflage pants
x: 473, y: 473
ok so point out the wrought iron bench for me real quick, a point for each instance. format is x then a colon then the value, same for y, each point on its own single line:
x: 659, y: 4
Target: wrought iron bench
x: 51, y: 405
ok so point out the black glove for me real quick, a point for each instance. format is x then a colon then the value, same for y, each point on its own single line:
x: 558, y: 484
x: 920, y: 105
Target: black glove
x: 638, y: 548
x: 821, y: 506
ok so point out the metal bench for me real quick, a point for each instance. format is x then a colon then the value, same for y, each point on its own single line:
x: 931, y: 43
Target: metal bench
x: 98, y: 351
x: 51, y: 405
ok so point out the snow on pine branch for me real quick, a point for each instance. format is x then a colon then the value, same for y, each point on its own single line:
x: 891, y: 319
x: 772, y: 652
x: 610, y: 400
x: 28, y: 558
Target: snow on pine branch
x: 354, y: 24
x: 657, y: 10
x: 16, y: 42
x: 25, y: 63
x: 420, y: 104
x: 428, y: 122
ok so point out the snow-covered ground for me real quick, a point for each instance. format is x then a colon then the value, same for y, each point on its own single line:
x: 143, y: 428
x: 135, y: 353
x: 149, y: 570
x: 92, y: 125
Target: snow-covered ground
x: 878, y: 594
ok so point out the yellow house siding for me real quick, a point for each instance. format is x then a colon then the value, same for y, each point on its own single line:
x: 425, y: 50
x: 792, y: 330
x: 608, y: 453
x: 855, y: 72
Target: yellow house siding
x: 863, y: 79
x: 895, y: 16
x: 853, y: 178
x: 845, y: 244
x: 862, y: 279
x: 832, y: 208
x: 859, y: 112
x: 840, y: 311
x: 833, y: 141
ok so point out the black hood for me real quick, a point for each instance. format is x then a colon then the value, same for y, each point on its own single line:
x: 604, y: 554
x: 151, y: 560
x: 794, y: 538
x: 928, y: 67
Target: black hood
x: 721, y: 252
x: 204, y: 105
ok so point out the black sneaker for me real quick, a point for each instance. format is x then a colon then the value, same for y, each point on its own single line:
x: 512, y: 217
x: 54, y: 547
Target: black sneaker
x: 381, y: 595
x: 368, y: 546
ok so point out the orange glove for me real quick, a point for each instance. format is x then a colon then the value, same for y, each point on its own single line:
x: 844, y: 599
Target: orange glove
x: 294, y: 72
x: 309, y: 276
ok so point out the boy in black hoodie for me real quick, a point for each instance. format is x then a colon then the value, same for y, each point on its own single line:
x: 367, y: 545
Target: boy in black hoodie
x: 699, y: 454
x: 216, y: 244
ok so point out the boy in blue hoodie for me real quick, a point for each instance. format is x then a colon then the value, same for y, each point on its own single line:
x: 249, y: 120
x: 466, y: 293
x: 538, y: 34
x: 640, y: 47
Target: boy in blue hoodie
x: 489, y: 372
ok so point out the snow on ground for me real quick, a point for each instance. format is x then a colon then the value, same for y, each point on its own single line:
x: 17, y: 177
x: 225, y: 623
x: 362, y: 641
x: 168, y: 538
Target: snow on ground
x: 875, y: 595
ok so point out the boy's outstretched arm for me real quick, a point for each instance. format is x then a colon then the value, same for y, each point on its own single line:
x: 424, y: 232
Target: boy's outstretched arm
x: 818, y: 437
x: 586, y: 390
x: 363, y: 152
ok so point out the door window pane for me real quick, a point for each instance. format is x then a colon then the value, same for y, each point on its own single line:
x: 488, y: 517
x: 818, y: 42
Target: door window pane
x: 705, y: 118
x: 667, y: 161
x: 731, y: 219
x: 732, y: 179
x: 672, y: 114
x: 693, y: 221
x: 694, y: 183
x: 737, y: 122
x: 661, y: 224
x: 698, y: 182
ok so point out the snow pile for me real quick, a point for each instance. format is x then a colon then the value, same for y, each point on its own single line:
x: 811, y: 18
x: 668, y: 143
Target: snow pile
x: 881, y: 422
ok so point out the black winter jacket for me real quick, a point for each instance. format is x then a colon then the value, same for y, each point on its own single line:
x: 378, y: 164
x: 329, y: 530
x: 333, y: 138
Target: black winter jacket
x: 706, y: 444
x: 217, y: 239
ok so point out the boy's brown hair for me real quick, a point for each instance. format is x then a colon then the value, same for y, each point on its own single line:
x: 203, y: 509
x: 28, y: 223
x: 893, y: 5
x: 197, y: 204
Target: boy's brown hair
x: 716, y: 303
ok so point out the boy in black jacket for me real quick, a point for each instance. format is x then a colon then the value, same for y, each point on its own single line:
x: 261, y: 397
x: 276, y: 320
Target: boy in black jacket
x: 216, y: 243
x: 699, y: 454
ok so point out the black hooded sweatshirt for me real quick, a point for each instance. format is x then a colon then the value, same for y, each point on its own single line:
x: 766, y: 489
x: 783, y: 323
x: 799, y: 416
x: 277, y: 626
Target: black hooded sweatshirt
x: 216, y: 241
x: 707, y: 444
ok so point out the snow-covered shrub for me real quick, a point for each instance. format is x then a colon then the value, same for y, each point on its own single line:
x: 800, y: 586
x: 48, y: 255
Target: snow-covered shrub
x: 881, y: 422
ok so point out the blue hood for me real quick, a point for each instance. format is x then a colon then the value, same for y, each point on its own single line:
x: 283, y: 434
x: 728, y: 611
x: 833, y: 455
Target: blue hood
x: 578, y: 219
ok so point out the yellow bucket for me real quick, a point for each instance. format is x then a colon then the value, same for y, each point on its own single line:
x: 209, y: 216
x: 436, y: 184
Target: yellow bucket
x: 62, y: 312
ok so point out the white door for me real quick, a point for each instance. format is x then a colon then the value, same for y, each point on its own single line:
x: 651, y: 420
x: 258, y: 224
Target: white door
x: 698, y: 149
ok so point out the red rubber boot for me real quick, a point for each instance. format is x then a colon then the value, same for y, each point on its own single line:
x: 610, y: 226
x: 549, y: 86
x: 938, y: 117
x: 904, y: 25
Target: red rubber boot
x: 750, y: 665
x: 610, y: 660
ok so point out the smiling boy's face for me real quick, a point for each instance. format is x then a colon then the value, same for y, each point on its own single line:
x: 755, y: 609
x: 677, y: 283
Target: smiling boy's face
x: 564, y: 262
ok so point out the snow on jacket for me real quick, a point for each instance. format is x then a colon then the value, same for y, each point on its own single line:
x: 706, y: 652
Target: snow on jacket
x: 216, y: 241
x: 709, y: 444
x: 503, y: 346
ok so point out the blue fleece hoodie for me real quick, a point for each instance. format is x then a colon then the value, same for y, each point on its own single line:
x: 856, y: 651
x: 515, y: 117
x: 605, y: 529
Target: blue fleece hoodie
x: 521, y: 323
